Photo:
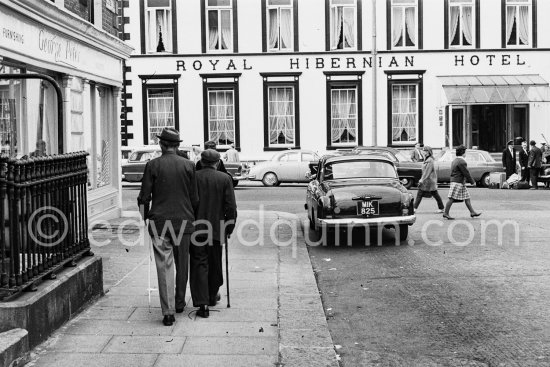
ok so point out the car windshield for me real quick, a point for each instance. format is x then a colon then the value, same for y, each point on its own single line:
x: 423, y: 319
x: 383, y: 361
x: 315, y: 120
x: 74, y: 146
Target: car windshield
x: 359, y: 169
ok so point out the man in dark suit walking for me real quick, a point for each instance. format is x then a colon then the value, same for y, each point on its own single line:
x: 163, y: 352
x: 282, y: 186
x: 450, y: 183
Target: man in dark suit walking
x: 170, y: 185
x: 216, y: 217
x: 535, y: 164
x: 509, y: 159
x: 524, y: 161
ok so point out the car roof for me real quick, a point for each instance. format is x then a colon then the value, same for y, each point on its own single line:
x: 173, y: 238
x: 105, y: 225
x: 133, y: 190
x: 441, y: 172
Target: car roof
x: 388, y: 149
x: 357, y: 157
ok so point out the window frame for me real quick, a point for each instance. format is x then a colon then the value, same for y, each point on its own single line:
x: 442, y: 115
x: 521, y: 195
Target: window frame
x: 144, y: 30
x: 145, y: 103
x: 532, y: 5
x: 295, y: 84
x: 341, y: 84
x: 358, y: 26
x: 419, y: 27
x: 205, y: 8
x: 265, y: 26
x: 407, y: 78
x: 476, y: 26
x: 209, y: 84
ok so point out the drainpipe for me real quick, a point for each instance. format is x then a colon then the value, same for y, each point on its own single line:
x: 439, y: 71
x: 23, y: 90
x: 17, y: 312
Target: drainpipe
x: 374, y: 72
x: 57, y: 88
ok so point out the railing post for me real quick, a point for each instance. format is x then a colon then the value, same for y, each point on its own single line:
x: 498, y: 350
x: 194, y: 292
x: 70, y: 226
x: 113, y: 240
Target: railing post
x: 4, y: 265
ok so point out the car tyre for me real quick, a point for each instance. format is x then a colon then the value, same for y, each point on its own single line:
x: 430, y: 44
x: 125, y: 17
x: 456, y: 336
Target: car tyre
x: 270, y: 179
x: 484, y: 182
x: 402, y: 232
x: 408, y: 182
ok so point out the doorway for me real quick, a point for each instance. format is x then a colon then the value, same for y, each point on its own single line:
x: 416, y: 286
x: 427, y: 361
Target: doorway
x: 458, y: 124
x: 490, y: 122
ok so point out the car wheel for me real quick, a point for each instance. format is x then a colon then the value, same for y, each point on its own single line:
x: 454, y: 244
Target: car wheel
x: 270, y: 179
x: 235, y: 183
x: 403, y: 232
x: 485, y: 180
x: 407, y: 182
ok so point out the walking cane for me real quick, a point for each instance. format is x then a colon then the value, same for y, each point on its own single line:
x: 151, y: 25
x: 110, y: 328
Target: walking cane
x: 227, y: 270
x: 150, y: 245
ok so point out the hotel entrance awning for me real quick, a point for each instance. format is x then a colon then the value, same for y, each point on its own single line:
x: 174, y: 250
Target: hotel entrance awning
x: 500, y: 89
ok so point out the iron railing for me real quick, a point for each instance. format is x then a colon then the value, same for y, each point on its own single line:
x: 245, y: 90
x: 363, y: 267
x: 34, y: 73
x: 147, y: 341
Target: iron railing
x: 43, y: 211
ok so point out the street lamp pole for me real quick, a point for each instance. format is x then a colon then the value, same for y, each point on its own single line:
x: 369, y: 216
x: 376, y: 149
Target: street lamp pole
x: 374, y: 72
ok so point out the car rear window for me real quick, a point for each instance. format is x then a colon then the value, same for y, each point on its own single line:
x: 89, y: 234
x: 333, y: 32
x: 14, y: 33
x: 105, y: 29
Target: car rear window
x: 359, y: 169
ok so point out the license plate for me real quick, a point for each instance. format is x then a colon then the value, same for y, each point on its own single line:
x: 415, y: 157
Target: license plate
x: 367, y: 208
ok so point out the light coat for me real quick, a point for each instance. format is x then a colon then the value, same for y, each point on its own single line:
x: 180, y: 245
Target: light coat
x: 429, y: 176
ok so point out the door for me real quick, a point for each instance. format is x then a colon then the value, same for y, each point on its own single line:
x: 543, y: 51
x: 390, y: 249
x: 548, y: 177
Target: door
x: 289, y: 166
x: 519, y: 122
x: 458, y: 126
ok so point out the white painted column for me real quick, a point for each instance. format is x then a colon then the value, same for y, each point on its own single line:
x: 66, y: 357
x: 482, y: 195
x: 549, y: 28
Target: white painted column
x: 66, y: 85
x: 116, y: 168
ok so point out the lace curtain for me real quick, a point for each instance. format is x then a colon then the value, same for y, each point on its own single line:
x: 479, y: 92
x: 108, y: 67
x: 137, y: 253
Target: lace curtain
x: 221, y: 117
x: 281, y: 115
x: 523, y: 25
x: 510, y: 20
x: 213, y: 30
x: 455, y: 14
x: 286, y: 28
x: 410, y: 24
x: 466, y: 23
x: 349, y: 27
x: 397, y: 25
x: 159, y: 36
x: 404, y: 121
x: 226, y: 29
x: 343, y: 116
x: 273, y: 29
x: 336, y: 16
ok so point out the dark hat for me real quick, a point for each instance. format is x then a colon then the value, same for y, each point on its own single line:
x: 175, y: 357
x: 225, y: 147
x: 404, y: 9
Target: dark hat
x: 511, y: 142
x: 532, y: 142
x: 210, y: 156
x: 170, y: 134
x: 210, y: 144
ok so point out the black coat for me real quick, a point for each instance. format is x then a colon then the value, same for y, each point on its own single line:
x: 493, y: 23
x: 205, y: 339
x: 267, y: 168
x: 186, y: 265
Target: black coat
x: 509, y: 162
x: 523, y: 158
x: 535, y: 157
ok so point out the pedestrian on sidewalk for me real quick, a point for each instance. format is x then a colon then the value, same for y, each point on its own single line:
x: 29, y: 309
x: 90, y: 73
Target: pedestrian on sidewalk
x: 427, y: 185
x: 216, y: 217
x: 232, y: 154
x: 169, y: 184
x: 524, y: 161
x: 509, y: 159
x: 219, y: 165
x: 458, y: 191
x: 535, y: 164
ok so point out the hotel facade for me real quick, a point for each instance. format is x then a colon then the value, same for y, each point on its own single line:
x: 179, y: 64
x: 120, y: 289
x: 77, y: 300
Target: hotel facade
x: 75, y: 44
x: 327, y: 74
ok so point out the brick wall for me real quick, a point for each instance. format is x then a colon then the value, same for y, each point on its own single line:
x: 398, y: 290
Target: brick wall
x: 81, y: 8
x: 110, y: 21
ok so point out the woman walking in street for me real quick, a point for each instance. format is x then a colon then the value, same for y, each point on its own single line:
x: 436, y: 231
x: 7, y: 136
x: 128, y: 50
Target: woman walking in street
x: 458, y: 191
x: 427, y: 185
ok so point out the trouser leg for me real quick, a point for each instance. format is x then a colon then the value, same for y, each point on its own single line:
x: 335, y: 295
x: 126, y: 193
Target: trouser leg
x: 438, y: 199
x: 215, y: 269
x: 534, y: 177
x: 181, y: 257
x: 199, y: 274
x: 164, y: 260
x: 418, y: 199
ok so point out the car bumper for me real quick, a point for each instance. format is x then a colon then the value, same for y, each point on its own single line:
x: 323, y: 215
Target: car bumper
x: 353, y: 222
x: 239, y: 178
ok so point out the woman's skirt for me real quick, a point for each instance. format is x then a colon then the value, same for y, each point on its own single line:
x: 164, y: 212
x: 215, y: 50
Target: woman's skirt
x: 458, y: 192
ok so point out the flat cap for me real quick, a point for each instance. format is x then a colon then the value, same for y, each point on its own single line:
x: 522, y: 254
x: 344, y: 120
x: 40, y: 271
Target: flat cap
x: 210, y: 156
x: 210, y: 144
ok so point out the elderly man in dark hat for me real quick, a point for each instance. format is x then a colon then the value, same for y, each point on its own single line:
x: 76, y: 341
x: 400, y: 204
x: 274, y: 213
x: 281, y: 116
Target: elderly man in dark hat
x: 169, y: 184
x: 509, y: 159
x: 535, y: 164
x: 216, y: 217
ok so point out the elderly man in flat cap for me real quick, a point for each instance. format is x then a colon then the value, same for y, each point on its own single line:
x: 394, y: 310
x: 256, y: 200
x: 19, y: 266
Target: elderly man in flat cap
x: 216, y: 217
x: 219, y: 165
x: 169, y: 184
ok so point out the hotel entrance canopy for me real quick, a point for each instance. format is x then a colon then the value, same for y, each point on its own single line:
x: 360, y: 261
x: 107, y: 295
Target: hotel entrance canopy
x: 497, y: 89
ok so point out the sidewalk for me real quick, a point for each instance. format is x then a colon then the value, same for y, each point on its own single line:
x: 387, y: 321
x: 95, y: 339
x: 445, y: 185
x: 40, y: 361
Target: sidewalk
x: 276, y: 316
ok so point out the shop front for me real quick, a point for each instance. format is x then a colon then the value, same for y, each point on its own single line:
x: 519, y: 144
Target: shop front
x: 87, y: 63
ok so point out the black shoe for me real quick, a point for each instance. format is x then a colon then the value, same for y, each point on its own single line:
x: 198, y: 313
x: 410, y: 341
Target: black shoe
x: 179, y: 310
x: 473, y: 215
x: 203, y: 311
x: 168, y: 320
x: 447, y: 216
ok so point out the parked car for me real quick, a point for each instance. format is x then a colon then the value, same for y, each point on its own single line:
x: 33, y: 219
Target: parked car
x: 358, y: 190
x: 132, y: 170
x: 287, y: 166
x: 480, y: 165
x: 409, y: 172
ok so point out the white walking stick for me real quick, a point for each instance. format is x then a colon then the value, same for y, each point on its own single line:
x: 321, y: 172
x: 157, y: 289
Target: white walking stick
x: 150, y: 251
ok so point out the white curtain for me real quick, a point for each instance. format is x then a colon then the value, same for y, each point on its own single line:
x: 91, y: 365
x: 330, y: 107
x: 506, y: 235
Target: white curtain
x: 467, y: 22
x: 213, y: 30
x: 336, y: 19
x: 455, y: 13
x: 221, y: 117
x: 286, y: 28
x: 349, y: 27
x: 410, y: 24
x: 229, y: 117
x: 226, y: 29
x: 523, y: 25
x: 343, y: 116
x: 273, y: 29
x: 404, y: 112
x: 152, y: 30
x: 510, y: 18
x: 281, y: 115
x: 397, y: 24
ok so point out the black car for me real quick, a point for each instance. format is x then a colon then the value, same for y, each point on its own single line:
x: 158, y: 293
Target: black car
x: 409, y: 172
x: 358, y: 190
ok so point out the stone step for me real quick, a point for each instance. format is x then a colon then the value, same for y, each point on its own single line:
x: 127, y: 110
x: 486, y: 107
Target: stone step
x: 14, y: 348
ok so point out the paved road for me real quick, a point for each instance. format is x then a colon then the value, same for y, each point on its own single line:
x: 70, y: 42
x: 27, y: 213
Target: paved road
x: 453, y: 297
